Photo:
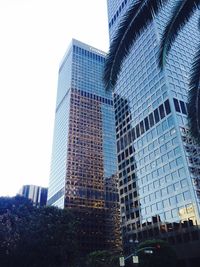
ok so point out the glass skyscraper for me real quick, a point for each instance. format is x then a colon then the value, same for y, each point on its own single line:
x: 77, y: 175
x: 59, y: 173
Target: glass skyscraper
x: 37, y: 194
x: 84, y: 162
x: 158, y: 162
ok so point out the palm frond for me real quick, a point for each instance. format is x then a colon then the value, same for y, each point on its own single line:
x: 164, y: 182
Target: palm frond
x: 136, y: 19
x: 181, y: 13
x: 194, y: 98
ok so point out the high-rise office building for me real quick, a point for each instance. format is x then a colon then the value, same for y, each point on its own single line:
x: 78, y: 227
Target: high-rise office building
x: 35, y: 193
x: 158, y: 162
x: 84, y: 164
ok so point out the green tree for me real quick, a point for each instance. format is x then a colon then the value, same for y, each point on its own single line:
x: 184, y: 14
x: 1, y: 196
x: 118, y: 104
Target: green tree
x: 140, y: 14
x: 156, y: 253
x: 102, y: 258
x: 34, y: 237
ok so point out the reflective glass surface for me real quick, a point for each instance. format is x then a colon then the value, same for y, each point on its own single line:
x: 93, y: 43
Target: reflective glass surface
x: 158, y: 163
x: 84, y: 157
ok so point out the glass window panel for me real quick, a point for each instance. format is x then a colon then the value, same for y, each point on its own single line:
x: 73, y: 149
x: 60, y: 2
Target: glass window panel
x: 137, y: 130
x: 154, y: 208
x: 183, y: 107
x: 158, y: 194
x: 156, y: 184
x: 182, y: 172
x: 162, y: 217
x: 179, y: 161
x: 174, y: 213
x: 168, y: 178
x: 172, y: 164
x: 166, y: 203
x: 172, y: 200
x: 186, y: 195
x: 151, y: 119
x: 170, y: 189
x: 162, y: 112
x: 183, y: 183
x: 177, y: 151
x: 168, y: 215
x: 164, y: 191
x: 133, y: 134
x: 164, y: 125
x: 167, y: 107
x: 142, y: 127
x: 176, y: 186
x: 156, y: 115
x: 170, y: 121
x: 159, y: 129
x: 160, y: 205
x: 179, y: 198
x: 176, y: 104
x: 146, y: 122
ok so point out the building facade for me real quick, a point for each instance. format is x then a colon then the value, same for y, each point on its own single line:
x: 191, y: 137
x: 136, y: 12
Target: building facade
x: 35, y: 193
x: 84, y: 163
x: 158, y: 162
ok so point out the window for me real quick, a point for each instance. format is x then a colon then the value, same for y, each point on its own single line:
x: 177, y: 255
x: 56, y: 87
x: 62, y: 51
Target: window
x: 176, y: 104
x: 166, y: 203
x: 176, y: 186
x: 160, y: 205
x: 183, y: 107
x: 157, y: 194
x: 170, y: 121
x: 183, y: 183
x: 162, y: 112
x: 179, y: 161
x: 156, y: 115
x: 177, y: 151
x: 164, y: 191
x: 151, y: 119
x: 168, y: 215
x: 142, y: 127
x: 179, y: 198
x: 137, y: 130
x: 172, y: 200
x: 167, y: 107
x: 146, y: 122
x: 186, y: 195
x: 133, y: 134
x: 170, y: 189
x: 164, y: 125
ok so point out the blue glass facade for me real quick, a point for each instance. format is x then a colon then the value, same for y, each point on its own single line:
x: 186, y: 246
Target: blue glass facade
x: 37, y: 194
x: 158, y: 163
x: 60, y: 138
x: 84, y: 161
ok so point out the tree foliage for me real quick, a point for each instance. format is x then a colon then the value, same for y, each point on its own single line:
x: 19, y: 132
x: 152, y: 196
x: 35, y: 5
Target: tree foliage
x: 156, y: 253
x: 102, y: 258
x: 139, y: 15
x: 34, y: 237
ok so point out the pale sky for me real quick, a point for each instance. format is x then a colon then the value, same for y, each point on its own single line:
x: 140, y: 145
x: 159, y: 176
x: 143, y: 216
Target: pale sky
x: 34, y: 35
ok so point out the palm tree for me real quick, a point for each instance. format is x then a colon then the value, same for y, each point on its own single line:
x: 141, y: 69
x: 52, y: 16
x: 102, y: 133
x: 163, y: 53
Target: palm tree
x: 137, y: 18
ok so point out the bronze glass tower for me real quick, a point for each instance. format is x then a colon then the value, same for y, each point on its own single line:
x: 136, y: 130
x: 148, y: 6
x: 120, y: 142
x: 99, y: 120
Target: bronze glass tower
x: 83, y: 172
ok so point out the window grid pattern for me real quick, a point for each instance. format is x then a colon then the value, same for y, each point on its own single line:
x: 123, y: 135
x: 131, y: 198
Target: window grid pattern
x: 83, y: 171
x: 155, y: 182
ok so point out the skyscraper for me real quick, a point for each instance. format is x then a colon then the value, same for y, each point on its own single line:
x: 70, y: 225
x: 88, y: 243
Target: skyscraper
x: 158, y: 162
x: 36, y: 193
x: 83, y: 170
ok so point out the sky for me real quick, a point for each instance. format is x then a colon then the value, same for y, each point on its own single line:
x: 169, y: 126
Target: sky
x: 34, y: 36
